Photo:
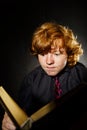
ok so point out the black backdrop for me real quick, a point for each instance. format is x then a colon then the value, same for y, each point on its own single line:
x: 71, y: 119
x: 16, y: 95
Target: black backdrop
x: 18, y: 20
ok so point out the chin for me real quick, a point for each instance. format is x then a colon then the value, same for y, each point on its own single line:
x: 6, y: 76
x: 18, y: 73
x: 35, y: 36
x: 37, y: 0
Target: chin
x: 52, y: 74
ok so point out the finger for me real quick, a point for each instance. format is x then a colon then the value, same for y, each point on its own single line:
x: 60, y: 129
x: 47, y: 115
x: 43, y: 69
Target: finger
x: 7, y: 124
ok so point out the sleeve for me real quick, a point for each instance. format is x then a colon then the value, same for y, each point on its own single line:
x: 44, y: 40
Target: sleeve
x: 25, y: 93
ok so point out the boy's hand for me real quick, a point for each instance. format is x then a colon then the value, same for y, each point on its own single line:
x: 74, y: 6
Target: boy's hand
x: 7, y: 123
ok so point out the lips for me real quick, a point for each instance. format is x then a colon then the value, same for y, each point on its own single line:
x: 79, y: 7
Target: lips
x: 50, y: 68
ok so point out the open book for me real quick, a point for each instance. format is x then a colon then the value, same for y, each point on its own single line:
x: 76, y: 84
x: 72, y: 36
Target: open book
x: 18, y: 116
x: 22, y: 120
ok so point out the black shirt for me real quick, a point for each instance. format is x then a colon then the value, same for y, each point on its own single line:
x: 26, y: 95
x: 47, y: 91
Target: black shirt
x: 38, y: 88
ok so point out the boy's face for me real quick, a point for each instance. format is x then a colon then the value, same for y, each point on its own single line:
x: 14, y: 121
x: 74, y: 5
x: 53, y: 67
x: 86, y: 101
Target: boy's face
x: 54, y: 61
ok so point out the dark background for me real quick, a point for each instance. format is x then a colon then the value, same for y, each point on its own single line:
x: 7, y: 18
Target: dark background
x: 18, y: 20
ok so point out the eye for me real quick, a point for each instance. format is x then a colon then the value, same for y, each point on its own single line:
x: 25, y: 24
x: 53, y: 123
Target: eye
x: 57, y: 53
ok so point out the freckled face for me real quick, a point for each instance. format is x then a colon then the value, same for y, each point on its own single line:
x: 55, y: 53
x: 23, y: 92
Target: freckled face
x: 54, y: 61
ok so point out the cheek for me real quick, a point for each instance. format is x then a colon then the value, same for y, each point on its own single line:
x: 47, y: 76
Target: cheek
x: 40, y: 59
x: 63, y: 61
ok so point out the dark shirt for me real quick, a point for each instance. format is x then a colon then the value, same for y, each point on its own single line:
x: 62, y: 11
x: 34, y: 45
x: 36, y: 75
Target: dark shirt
x: 38, y: 88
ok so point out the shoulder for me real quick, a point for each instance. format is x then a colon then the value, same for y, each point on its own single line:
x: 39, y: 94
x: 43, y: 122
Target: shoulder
x: 80, y: 71
x: 33, y: 73
x: 37, y: 70
x: 80, y: 67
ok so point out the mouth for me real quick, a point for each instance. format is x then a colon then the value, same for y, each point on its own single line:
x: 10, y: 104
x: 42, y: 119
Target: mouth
x: 50, y: 68
x: 51, y: 71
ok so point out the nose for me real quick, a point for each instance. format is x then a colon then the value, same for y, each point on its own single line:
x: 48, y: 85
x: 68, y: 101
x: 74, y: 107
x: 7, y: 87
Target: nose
x: 49, y: 59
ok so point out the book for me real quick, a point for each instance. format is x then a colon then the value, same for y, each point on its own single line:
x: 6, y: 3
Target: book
x: 71, y: 100
x: 17, y: 114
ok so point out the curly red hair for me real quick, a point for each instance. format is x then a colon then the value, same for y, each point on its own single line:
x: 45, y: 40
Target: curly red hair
x: 45, y: 35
